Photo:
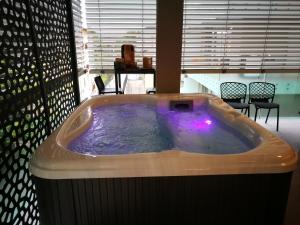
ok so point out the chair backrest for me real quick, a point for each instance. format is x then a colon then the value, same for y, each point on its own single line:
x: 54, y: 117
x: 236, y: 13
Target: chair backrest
x: 99, y: 83
x: 261, y: 92
x: 233, y: 91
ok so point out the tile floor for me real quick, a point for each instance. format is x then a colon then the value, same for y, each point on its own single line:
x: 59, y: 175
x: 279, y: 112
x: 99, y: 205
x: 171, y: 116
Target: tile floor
x: 289, y: 130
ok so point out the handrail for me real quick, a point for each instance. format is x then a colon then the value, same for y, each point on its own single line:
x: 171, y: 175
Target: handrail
x: 217, y: 71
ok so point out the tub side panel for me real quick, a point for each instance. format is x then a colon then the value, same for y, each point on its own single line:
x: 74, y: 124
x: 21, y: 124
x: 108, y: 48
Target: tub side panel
x: 56, y: 202
x: 212, y: 200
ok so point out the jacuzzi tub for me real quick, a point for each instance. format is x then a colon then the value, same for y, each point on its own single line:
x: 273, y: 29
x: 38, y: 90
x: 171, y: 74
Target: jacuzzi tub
x: 164, y: 187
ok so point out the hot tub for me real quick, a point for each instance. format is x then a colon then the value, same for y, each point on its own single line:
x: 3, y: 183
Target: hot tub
x: 174, y: 182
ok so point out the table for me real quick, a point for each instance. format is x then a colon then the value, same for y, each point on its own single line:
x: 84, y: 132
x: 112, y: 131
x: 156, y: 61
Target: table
x: 118, y: 73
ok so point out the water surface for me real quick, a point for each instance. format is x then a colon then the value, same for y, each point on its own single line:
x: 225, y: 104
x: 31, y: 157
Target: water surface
x: 136, y: 128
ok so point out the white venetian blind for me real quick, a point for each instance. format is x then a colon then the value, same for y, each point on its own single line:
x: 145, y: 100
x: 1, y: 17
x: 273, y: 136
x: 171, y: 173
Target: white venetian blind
x: 241, y: 35
x: 111, y: 23
x: 77, y: 19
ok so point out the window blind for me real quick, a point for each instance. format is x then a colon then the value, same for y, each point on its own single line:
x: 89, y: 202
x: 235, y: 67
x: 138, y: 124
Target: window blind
x: 241, y: 36
x: 77, y: 20
x: 112, y: 23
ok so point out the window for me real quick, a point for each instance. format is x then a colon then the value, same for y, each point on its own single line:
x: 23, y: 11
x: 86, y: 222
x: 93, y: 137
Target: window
x: 112, y: 23
x: 241, y: 36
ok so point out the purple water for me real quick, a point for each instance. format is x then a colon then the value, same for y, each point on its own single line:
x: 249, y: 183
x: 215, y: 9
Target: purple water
x: 136, y: 128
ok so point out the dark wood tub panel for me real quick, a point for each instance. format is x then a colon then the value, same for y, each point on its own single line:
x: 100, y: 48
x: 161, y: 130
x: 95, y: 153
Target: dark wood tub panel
x: 257, y: 199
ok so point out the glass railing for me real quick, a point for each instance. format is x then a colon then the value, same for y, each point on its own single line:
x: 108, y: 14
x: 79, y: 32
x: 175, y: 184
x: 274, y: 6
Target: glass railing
x: 287, y: 92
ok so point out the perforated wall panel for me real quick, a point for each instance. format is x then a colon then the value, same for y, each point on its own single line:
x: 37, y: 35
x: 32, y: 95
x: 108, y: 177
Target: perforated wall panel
x: 50, y: 19
x: 37, y: 92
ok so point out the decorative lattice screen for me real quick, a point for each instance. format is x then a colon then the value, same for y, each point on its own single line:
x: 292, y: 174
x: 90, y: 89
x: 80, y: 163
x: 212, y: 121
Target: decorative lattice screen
x: 53, y: 41
x: 38, y: 89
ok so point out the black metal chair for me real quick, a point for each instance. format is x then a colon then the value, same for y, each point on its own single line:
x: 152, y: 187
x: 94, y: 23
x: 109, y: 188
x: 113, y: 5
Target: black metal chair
x: 103, y: 90
x: 261, y: 95
x: 234, y: 94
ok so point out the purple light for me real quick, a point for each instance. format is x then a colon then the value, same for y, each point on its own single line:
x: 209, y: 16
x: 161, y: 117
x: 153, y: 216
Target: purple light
x: 208, y: 122
x: 203, y: 124
x: 200, y: 122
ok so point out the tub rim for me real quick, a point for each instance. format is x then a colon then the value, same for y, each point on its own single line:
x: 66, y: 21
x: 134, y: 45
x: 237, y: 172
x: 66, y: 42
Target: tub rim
x: 53, y: 160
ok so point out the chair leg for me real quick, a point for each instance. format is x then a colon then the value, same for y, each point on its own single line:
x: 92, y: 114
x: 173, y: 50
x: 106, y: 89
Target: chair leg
x: 256, y: 109
x: 242, y: 110
x: 248, y: 109
x: 267, y: 116
x: 277, y: 119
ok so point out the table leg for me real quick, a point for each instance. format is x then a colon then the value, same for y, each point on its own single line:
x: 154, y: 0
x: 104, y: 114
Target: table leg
x: 116, y: 83
x: 119, y: 79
